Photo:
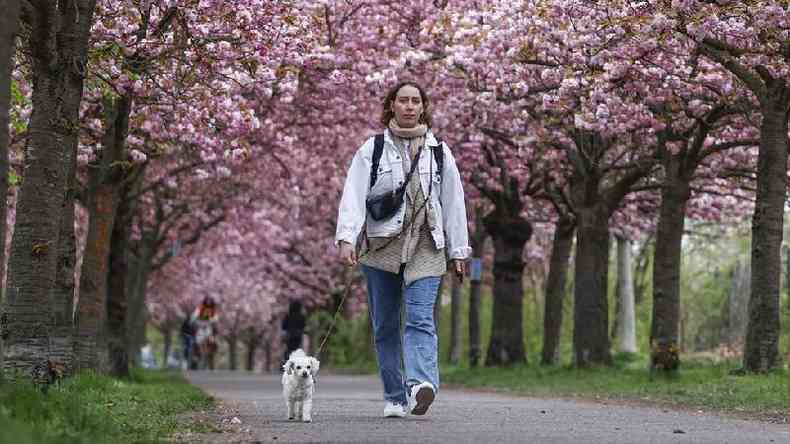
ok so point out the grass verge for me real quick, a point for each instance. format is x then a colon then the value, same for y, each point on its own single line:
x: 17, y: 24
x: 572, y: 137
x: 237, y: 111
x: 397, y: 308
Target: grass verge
x: 697, y: 386
x: 99, y: 409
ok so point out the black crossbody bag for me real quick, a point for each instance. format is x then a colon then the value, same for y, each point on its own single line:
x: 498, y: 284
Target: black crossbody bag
x: 386, y: 205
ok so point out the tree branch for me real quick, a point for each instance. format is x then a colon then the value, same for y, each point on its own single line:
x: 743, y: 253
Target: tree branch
x: 719, y: 147
x: 709, y: 48
x: 194, y: 238
x: 619, y: 190
x: 161, y: 181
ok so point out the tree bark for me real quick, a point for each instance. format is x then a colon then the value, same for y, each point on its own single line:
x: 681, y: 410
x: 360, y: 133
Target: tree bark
x: 267, y: 355
x: 733, y: 332
x: 664, y: 333
x: 641, y: 271
x: 475, y: 346
x: 167, y: 340
x: 591, y: 311
x: 63, y: 345
x: 477, y: 243
x: 93, y: 279
x: 555, y: 290
x: 626, y: 332
x: 455, y: 320
x: 117, y: 295
x: 233, y: 352
x: 252, y: 347
x: 762, y: 338
x: 63, y: 297
x: 9, y: 25
x: 9, y: 22
x: 58, y: 44
x: 135, y: 319
x: 510, y: 234
x: 103, y: 201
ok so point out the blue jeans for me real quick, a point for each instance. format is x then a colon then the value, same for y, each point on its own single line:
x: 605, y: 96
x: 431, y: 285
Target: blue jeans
x: 418, y: 354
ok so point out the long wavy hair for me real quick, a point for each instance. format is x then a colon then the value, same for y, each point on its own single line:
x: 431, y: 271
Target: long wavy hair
x: 386, y: 111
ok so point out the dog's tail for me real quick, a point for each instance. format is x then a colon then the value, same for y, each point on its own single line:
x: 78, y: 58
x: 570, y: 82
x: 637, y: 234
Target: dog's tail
x: 298, y: 353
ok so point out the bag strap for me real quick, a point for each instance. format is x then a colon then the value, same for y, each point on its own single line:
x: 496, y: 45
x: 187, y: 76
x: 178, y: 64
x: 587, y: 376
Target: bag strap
x: 438, y: 155
x: 378, y: 149
x: 414, y: 164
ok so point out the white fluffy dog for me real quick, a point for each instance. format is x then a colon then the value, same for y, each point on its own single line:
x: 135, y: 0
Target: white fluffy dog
x: 298, y: 384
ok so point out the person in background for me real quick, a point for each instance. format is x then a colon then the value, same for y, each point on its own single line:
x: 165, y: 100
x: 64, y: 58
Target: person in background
x: 188, y: 342
x: 293, y: 326
x: 204, y: 321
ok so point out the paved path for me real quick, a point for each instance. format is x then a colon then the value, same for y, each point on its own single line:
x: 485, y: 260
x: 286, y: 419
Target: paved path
x: 347, y: 409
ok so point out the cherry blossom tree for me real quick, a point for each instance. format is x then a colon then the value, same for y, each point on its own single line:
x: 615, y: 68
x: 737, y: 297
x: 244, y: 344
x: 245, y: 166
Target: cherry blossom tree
x: 752, y: 41
x: 57, y: 46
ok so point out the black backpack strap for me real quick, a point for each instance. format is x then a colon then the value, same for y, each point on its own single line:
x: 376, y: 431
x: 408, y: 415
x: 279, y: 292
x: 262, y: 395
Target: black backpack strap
x: 378, y: 149
x: 438, y: 155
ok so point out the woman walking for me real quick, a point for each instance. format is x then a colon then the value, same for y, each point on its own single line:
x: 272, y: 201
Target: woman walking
x: 404, y: 188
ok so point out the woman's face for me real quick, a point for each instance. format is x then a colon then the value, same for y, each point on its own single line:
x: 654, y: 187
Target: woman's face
x: 407, y: 106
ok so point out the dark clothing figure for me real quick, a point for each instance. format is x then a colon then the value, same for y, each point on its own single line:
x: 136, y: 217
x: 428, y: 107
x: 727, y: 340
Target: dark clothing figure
x: 293, y: 325
x: 188, y: 342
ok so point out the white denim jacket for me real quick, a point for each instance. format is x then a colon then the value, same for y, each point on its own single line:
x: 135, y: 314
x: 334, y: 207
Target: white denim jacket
x: 447, y: 196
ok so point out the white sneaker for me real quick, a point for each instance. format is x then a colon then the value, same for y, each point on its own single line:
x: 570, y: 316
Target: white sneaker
x: 392, y: 410
x: 421, y: 397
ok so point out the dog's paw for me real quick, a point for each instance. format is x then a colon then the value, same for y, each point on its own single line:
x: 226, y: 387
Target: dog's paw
x: 307, y: 420
x: 290, y: 418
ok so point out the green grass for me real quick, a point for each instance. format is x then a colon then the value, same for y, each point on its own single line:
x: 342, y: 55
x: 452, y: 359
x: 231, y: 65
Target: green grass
x: 99, y: 409
x: 698, y: 386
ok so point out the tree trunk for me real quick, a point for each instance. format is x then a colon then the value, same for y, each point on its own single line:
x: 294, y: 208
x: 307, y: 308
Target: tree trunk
x: 63, y: 346
x: 555, y: 290
x: 93, y: 279
x: 135, y: 318
x: 63, y: 296
x: 233, y: 352
x: 105, y: 190
x: 475, y: 347
x: 733, y: 331
x: 591, y: 311
x: 509, y: 234
x: 9, y: 23
x: 139, y: 334
x: 252, y: 346
x: 167, y: 340
x: 641, y: 271
x: 626, y: 332
x: 58, y: 46
x: 762, y: 338
x: 117, y: 295
x: 787, y: 272
x: 267, y: 355
x: 455, y: 320
x: 477, y: 243
x: 664, y: 333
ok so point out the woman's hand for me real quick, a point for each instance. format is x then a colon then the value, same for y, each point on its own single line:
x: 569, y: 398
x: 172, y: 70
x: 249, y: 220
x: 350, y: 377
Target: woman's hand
x: 347, y: 254
x: 459, y: 266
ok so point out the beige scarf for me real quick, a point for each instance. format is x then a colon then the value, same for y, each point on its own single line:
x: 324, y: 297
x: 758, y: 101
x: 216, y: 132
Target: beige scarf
x: 407, y: 133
